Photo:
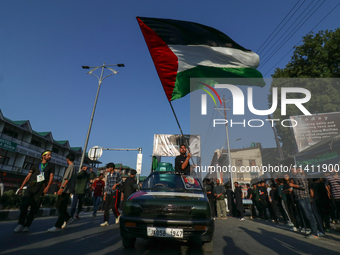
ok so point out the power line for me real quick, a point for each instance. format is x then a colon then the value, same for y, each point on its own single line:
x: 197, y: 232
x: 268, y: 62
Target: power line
x: 282, y: 44
x: 302, y: 39
x: 292, y: 32
x: 258, y: 51
x: 276, y: 42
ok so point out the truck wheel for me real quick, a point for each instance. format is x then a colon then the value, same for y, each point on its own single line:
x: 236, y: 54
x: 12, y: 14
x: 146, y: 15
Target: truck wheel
x: 208, y: 246
x: 128, y: 242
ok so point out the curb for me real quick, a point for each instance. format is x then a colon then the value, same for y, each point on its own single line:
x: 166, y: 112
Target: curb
x: 43, y: 212
x: 333, y: 226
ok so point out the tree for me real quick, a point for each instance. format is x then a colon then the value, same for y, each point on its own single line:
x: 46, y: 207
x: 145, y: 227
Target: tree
x: 317, y: 57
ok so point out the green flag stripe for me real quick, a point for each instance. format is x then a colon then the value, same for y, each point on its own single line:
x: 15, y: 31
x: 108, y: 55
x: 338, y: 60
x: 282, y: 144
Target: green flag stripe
x: 236, y: 76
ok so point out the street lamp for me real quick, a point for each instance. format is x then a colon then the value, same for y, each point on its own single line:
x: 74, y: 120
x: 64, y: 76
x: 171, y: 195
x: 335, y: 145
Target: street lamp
x: 238, y: 139
x: 100, y: 80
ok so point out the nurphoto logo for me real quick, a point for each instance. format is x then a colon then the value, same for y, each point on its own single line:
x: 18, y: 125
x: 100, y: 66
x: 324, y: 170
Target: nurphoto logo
x: 239, y: 99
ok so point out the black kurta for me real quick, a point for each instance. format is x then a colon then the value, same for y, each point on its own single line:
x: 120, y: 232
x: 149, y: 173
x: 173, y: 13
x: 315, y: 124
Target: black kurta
x: 238, y: 198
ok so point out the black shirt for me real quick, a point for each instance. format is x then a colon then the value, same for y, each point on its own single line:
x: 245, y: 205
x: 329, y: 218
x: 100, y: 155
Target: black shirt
x: 127, y: 188
x: 250, y: 192
x: 274, y: 195
x: 49, y: 169
x: 263, y: 193
x: 178, y: 165
x: 209, y: 187
x: 320, y: 194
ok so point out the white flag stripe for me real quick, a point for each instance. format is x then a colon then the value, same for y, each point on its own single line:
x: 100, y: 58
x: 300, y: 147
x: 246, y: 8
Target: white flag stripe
x: 192, y: 56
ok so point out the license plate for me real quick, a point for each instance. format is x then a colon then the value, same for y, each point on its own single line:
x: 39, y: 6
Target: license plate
x: 165, y: 232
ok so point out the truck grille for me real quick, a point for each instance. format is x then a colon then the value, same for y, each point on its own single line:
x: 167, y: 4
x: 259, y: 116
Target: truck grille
x: 166, y: 209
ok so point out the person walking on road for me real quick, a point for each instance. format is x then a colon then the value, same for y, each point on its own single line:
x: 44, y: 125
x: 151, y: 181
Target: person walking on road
x: 1, y: 191
x: 128, y: 187
x: 66, y: 188
x: 98, y: 192
x: 250, y: 196
x: 83, y: 177
x: 332, y: 184
x: 39, y: 180
x: 239, y: 201
x: 263, y: 199
x: 111, y: 195
x: 1, y: 188
x: 221, y: 207
x: 230, y: 198
x: 301, y: 192
x: 209, y: 191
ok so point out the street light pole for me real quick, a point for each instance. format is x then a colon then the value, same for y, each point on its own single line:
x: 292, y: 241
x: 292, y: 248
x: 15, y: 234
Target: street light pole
x: 228, y: 143
x: 100, y: 80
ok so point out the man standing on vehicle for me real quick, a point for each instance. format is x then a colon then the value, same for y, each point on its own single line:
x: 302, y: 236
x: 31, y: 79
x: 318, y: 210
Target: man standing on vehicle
x: 182, y: 164
x: 111, y: 195
x: 39, y: 180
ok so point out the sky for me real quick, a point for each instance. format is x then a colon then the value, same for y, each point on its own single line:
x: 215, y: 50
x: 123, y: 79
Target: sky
x: 44, y: 44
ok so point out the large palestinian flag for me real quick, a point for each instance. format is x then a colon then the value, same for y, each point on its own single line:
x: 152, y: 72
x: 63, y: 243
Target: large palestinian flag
x: 182, y: 50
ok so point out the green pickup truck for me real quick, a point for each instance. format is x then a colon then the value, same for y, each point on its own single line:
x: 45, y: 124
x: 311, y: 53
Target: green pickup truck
x: 169, y: 205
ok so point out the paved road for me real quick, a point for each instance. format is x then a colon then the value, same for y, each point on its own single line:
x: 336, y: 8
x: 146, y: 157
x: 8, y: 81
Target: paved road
x: 85, y: 236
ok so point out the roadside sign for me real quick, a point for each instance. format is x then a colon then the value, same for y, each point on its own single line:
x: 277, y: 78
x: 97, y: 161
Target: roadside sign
x: 139, y: 163
x: 95, y: 152
x: 7, y: 145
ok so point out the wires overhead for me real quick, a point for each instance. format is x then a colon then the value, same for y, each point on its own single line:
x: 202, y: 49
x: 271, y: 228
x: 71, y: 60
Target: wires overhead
x: 291, y: 24
x: 258, y: 51
x: 293, y: 31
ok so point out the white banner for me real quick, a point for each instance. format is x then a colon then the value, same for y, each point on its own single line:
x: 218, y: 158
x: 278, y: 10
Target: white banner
x: 312, y: 129
x: 168, y: 145
x: 139, y: 163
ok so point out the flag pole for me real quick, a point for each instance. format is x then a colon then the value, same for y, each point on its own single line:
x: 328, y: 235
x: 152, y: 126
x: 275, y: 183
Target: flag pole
x: 173, y: 111
x: 180, y: 129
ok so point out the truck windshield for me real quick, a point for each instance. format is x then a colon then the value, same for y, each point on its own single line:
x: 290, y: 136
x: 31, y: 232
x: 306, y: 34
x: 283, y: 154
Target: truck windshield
x: 171, y: 181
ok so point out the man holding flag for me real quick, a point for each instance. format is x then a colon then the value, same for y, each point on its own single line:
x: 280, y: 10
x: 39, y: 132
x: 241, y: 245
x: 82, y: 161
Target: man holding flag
x: 182, y: 164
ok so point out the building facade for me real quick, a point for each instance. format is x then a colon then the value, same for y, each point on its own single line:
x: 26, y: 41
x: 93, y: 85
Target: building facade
x: 21, y: 147
x: 247, y: 164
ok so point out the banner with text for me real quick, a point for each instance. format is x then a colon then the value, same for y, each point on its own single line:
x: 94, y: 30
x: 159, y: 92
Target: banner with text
x: 7, y: 145
x: 315, y: 128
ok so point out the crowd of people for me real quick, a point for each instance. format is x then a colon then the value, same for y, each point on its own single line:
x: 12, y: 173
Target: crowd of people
x: 107, y: 187
x: 300, y: 202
